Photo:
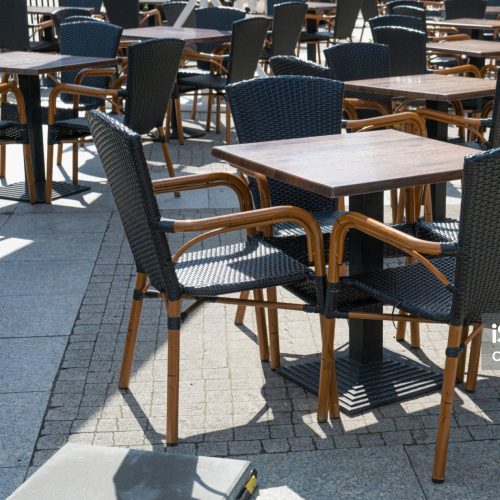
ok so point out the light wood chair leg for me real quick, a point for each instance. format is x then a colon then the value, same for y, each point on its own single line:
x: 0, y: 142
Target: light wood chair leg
x: 168, y: 119
x: 260, y: 315
x: 401, y: 329
x: 174, y: 327
x: 241, y: 309
x: 475, y: 353
x: 228, y: 123
x: 166, y: 154
x: 194, y: 109
x: 394, y: 204
x: 274, y: 340
x: 178, y: 114
x: 217, y: 114
x: 30, y: 176
x: 59, y: 154
x: 75, y: 162
x: 3, y: 159
x: 209, y: 109
x: 325, y: 374
x: 462, y: 357
x: 133, y: 326
x: 50, y: 173
x: 445, y: 412
x: 428, y: 216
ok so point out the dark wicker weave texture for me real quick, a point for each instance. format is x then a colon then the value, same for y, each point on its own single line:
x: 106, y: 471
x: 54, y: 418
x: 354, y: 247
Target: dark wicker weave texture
x: 455, y: 9
x: 14, y: 34
x: 292, y: 65
x: 96, y: 4
x: 60, y: 15
x: 412, y: 3
x: 399, y: 21
x: 124, y: 13
x: 172, y: 11
x: 11, y: 131
x: 410, y: 11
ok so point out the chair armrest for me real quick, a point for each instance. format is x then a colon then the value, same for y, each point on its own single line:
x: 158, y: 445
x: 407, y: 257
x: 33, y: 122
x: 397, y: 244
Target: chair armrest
x: 367, y: 104
x: 414, y: 247
x: 21, y: 108
x: 76, y: 90
x: 90, y: 72
x: 204, y: 181
x: 151, y: 13
x: 406, y: 117
x: 214, y: 59
x: 255, y: 218
x: 458, y: 70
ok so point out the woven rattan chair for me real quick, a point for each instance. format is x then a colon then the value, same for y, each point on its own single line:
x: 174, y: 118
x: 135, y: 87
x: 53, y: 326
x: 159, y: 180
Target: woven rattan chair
x: 455, y: 9
x: 409, y: 10
x: 148, y: 90
x: 341, y: 25
x: 288, y: 20
x: 15, y: 30
x: 59, y: 17
x: 172, y: 10
x: 369, y: 9
x: 205, y: 274
x: 247, y: 40
x: 15, y: 132
x: 292, y: 65
x: 125, y: 13
x: 389, y: 6
x: 413, y: 23
x: 457, y: 286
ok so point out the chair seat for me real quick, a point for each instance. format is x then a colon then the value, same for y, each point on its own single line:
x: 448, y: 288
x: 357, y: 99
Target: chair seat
x: 411, y: 288
x: 13, y: 132
x: 446, y: 230
x: 203, y: 81
x: 74, y: 128
x: 318, y: 36
x: 242, y: 266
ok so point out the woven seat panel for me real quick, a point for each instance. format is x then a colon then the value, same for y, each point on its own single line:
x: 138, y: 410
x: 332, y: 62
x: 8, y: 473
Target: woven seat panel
x: 446, y: 230
x: 319, y: 36
x: 242, y: 266
x: 75, y: 127
x: 13, y: 132
x: 411, y: 288
x: 203, y: 81
x: 65, y: 112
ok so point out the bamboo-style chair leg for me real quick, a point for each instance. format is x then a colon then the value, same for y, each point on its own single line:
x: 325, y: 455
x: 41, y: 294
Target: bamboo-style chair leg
x: 475, y: 352
x: 401, y: 329
x: 274, y: 340
x: 3, y: 159
x: 174, y: 326
x: 260, y: 315
x: 241, y: 309
x: 50, y: 173
x: 325, y: 374
x: 178, y: 115
x: 341, y: 203
x: 30, y: 176
x: 194, y: 109
x: 133, y: 326
x: 228, y: 123
x: 428, y: 216
x: 75, y: 162
x: 168, y: 119
x: 334, y: 395
x: 209, y: 109
x: 394, y: 204
x: 59, y: 154
x: 400, y: 207
x: 217, y: 114
x: 462, y: 357
x: 447, y: 395
x: 166, y: 154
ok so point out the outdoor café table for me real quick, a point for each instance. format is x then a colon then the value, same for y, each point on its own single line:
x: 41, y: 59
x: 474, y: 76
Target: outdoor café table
x: 29, y: 66
x: 438, y: 91
x: 476, y: 26
x: 477, y: 50
x: 188, y: 35
x: 48, y: 10
x: 361, y: 166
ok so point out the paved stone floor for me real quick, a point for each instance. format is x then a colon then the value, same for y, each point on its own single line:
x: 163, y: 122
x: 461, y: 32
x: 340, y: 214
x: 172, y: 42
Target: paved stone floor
x: 68, y: 277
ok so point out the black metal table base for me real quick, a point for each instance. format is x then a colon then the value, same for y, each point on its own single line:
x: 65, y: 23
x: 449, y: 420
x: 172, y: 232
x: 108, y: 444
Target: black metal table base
x: 19, y: 192
x: 362, y: 388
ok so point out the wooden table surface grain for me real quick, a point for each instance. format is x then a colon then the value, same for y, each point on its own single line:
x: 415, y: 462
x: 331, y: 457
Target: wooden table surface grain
x: 473, y: 48
x: 428, y: 86
x: 350, y: 164
x: 468, y: 23
x: 189, y: 35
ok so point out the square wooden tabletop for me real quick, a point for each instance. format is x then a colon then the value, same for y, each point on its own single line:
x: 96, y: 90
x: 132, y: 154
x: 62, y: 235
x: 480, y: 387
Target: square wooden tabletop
x: 472, y: 48
x: 350, y: 164
x: 430, y: 86
x: 47, y: 10
x: 468, y: 23
x: 39, y: 63
x: 189, y: 35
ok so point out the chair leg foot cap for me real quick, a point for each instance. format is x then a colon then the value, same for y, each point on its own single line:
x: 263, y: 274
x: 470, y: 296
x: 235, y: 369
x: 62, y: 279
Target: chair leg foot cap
x: 437, y: 481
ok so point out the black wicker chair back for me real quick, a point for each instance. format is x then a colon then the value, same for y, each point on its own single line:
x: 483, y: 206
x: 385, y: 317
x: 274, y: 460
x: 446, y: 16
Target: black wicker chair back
x: 14, y: 33
x: 287, y: 24
x: 292, y: 65
x: 407, y: 49
x: 152, y: 69
x: 60, y: 15
x: 286, y: 107
x: 96, y: 4
x: 172, y: 11
x: 215, y: 18
x: 124, y: 13
x: 247, y: 41
x: 369, y: 9
x: 346, y: 15
x: 398, y: 21
x: 477, y: 275
x: 409, y: 10
x: 122, y: 158
x: 413, y: 3
x: 358, y: 61
x: 455, y: 9
x: 89, y: 39
x: 272, y: 3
